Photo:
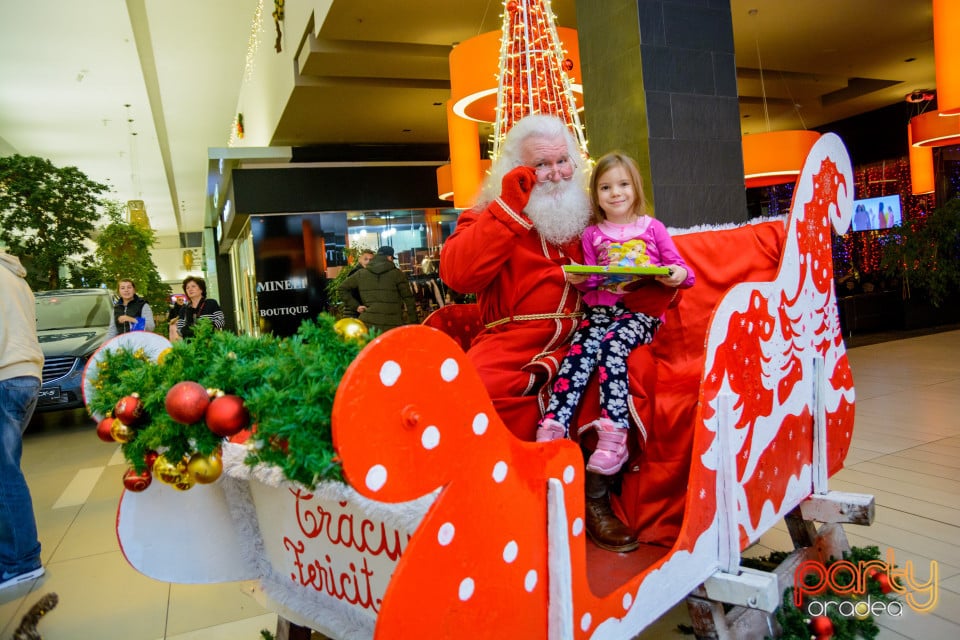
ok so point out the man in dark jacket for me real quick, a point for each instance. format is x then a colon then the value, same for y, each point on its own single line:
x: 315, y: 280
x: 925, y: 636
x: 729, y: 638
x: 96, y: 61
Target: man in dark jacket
x: 380, y: 293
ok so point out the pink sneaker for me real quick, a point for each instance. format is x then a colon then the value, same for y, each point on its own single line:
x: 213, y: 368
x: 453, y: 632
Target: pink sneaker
x: 550, y: 429
x: 611, y: 451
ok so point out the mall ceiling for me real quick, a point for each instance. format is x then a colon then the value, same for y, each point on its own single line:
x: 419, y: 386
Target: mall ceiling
x: 134, y: 92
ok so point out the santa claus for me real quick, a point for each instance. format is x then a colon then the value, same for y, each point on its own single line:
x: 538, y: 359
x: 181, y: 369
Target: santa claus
x: 509, y: 250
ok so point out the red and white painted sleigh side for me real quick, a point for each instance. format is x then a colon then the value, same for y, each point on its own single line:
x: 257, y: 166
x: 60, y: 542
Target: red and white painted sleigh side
x: 453, y: 527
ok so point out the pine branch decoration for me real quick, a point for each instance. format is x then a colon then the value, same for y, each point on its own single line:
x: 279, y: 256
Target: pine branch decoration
x: 287, y: 384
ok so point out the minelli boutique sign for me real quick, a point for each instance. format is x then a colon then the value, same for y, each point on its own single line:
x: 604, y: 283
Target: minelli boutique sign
x: 291, y: 258
x: 283, y: 304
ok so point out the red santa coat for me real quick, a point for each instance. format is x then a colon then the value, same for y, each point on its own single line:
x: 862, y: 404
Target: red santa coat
x: 530, y: 312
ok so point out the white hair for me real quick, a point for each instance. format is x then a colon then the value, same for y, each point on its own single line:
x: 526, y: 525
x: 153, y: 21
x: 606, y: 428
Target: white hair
x: 560, y: 211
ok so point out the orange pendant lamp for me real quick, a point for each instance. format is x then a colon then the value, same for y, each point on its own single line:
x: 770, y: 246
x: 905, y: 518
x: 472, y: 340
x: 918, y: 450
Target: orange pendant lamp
x: 931, y: 129
x: 775, y: 157
x: 474, y: 66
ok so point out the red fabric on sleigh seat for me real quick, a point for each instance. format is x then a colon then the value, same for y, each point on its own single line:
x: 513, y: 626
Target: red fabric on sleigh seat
x: 459, y: 321
x: 654, y: 488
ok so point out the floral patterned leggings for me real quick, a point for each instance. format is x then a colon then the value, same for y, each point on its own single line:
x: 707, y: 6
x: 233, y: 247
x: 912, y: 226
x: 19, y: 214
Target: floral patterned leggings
x: 604, y: 339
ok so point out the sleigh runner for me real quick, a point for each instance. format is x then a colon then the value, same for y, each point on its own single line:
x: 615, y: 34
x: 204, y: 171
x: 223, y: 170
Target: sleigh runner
x: 451, y: 526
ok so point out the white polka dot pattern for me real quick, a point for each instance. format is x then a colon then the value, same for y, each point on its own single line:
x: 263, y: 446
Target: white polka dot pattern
x: 445, y: 533
x: 577, y: 527
x: 466, y: 589
x: 376, y: 477
x: 499, y: 472
x: 449, y: 370
x: 480, y: 423
x: 389, y: 373
x: 585, y: 621
x: 430, y: 438
x: 510, y: 552
x: 530, y: 581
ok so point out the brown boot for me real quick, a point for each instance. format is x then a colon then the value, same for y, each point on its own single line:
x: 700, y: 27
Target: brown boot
x: 603, y: 526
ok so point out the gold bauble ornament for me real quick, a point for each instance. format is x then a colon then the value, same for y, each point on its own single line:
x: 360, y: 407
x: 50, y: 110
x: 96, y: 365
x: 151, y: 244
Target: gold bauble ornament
x: 168, y: 472
x: 861, y: 608
x: 205, y: 469
x: 121, y: 432
x: 350, y: 328
x: 184, y: 483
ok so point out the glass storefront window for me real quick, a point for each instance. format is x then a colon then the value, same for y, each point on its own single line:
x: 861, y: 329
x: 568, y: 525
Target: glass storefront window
x: 415, y: 235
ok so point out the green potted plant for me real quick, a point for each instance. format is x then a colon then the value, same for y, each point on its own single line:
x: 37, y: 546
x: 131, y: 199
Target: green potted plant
x: 924, y: 254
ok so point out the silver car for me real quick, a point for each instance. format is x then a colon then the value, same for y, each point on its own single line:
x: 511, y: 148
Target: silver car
x: 71, y: 325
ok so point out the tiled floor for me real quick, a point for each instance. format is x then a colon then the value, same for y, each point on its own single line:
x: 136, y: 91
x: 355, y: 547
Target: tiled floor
x: 906, y: 452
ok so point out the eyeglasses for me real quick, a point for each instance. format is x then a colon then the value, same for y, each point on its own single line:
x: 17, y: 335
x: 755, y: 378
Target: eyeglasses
x: 565, y: 166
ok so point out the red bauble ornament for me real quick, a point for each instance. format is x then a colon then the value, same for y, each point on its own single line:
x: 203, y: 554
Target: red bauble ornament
x: 187, y: 401
x: 129, y: 409
x: 227, y: 416
x: 884, y: 581
x: 512, y: 6
x: 150, y: 457
x: 137, y: 482
x: 822, y: 627
x: 104, y: 429
x: 567, y: 64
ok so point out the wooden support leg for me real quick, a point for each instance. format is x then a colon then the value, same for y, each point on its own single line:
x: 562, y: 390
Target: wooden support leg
x: 708, y: 619
x: 802, y: 532
x: 711, y: 620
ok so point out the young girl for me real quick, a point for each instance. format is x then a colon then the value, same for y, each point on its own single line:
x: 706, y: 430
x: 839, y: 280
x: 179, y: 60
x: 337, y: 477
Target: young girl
x: 622, y: 235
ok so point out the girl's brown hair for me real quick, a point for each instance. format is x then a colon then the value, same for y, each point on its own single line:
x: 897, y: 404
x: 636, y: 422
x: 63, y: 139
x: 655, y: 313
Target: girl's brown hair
x: 610, y: 161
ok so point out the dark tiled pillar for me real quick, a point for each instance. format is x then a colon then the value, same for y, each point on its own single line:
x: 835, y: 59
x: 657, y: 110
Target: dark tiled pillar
x: 660, y: 83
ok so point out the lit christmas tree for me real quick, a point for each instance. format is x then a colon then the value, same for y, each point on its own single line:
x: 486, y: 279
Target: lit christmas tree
x: 533, y: 70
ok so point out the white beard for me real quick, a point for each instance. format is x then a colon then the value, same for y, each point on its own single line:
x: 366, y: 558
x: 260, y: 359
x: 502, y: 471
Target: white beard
x: 559, y: 210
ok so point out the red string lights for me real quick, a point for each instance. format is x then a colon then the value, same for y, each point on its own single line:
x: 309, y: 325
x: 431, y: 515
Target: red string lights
x: 859, y: 252
x: 532, y: 74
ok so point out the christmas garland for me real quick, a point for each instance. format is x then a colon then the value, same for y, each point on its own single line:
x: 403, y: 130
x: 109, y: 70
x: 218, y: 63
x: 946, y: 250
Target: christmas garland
x: 176, y: 412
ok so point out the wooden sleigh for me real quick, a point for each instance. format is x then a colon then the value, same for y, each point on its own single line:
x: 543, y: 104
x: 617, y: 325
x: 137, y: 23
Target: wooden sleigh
x: 453, y: 527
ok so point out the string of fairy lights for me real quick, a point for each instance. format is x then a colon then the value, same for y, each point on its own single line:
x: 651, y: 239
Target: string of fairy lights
x: 533, y: 70
x: 253, y: 45
x: 860, y: 252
